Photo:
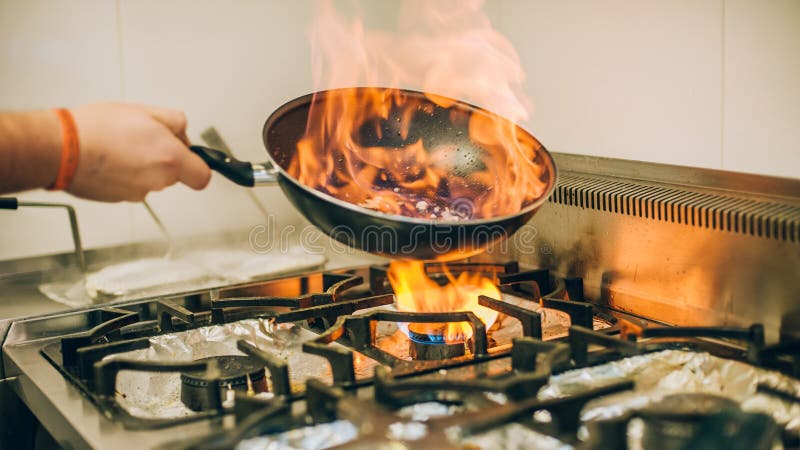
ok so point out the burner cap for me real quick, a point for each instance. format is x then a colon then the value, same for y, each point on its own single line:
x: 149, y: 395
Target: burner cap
x: 674, y: 421
x: 233, y: 372
x: 688, y: 406
x: 428, y: 351
x: 431, y: 346
x: 426, y: 338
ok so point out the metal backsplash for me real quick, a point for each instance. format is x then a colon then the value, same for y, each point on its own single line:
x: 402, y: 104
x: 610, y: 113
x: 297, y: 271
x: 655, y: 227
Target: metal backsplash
x: 677, y: 244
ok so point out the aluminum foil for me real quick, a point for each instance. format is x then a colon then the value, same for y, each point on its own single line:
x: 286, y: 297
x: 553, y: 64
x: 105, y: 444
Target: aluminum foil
x: 514, y: 437
x: 157, y: 395
x: 655, y: 375
x: 673, y: 371
x: 421, y: 412
x: 410, y: 427
x: 190, y: 271
x: 309, y: 438
x: 511, y: 437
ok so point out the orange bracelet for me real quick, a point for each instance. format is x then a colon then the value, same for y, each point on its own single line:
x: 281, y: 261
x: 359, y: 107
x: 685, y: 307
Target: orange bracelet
x: 69, y: 150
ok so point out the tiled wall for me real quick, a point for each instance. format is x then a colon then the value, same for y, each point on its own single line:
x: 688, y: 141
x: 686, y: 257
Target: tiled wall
x: 711, y: 83
x: 227, y: 64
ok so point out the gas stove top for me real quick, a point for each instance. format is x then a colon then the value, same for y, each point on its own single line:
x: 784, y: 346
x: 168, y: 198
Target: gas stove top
x: 667, y: 318
x: 327, y: 360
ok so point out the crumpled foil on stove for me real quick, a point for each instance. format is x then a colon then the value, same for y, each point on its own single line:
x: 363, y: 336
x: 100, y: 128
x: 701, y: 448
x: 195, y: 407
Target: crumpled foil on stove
x: 514, y: 437
x: 315, y: 437
x: 195, y: 270
x: 655, y: 375
x: 157, y: 395
x: 326, y: 435
x: 411, y: 427
x: 420, y: 412
x: 675, y: 371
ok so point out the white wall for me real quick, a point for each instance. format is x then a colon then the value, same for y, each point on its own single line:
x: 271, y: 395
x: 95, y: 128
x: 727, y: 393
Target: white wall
x: 711, y: 83
x: 227, y: 64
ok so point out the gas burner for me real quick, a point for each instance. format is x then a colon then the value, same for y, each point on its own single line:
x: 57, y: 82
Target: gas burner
x: 430, y: 346
x: 687, y: 407
x: 228, y: 373
x: 674, y: 420
x: 677, y: 421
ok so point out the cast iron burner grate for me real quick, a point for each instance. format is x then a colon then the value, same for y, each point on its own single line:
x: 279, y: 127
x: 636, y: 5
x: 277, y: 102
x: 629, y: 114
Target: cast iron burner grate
x: 693, y: 421
x: 319, y: 300
x: 342, y: 310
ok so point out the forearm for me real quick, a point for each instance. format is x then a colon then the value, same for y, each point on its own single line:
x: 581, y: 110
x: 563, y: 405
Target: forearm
x: 126, y: 151
x: 30, y: 150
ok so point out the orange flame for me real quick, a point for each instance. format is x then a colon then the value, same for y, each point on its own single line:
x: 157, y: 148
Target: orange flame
x: 448, y: 49
x: 415, y: 291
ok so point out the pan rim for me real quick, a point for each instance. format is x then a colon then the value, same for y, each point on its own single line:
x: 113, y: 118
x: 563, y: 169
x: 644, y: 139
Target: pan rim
x: 308, y: 98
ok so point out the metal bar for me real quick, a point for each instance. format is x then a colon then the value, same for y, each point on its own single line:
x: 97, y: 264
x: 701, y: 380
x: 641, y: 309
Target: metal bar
x: 73, y: 224
x: 278, y: 368
x: 531, y: 320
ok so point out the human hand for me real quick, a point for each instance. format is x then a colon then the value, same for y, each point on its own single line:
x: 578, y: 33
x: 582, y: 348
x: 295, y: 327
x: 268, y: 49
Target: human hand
x: 127, y: 151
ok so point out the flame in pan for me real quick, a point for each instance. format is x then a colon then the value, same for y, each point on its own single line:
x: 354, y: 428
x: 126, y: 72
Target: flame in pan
x: 419, y: 155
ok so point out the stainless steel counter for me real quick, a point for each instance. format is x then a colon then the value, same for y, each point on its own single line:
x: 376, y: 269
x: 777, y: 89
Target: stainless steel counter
x: 21, y: 298
x: 20, y: 279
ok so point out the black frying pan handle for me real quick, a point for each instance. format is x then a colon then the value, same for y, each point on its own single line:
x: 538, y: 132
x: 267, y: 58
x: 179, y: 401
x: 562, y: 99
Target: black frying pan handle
x: 240, y: 172
x: 8, y: 203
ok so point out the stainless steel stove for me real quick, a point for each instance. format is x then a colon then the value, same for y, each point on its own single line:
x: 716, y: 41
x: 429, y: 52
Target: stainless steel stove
x: 608, y: 336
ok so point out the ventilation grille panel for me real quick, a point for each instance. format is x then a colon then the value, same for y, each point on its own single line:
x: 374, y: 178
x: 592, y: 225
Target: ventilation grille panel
x: 767, y: 219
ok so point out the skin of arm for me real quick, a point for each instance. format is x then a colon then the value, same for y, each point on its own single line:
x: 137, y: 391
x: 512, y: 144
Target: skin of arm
x: 30, y: 150
x: 126, y: 151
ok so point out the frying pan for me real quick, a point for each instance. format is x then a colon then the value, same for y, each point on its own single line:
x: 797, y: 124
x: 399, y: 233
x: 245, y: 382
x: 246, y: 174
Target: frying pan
x: 395, y: 236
